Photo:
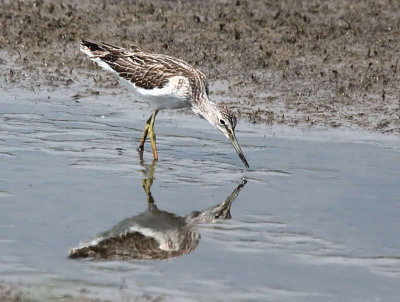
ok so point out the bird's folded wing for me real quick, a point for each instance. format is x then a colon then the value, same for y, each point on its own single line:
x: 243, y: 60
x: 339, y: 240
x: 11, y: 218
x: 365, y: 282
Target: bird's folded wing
x: 138, y: 70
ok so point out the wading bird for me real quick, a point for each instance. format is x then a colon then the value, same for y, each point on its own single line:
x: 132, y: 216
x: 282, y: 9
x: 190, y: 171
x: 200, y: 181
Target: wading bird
x: 165, y: 83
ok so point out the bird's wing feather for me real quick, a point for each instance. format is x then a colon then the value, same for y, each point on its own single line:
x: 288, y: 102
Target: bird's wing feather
x: 144, y: 70
x: 114, y: 48
x: 139, y: 71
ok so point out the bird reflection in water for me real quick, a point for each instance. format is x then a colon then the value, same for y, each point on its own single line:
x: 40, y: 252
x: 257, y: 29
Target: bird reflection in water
x: 154, y: 234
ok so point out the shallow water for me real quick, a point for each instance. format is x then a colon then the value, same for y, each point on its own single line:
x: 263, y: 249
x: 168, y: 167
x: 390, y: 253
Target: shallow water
x: 317, y: 221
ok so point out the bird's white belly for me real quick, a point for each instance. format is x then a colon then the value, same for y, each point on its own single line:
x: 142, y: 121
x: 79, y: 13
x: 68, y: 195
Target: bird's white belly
x: 158, y: 98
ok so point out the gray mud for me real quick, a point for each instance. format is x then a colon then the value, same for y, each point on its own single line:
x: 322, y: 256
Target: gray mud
x: 319, y: 64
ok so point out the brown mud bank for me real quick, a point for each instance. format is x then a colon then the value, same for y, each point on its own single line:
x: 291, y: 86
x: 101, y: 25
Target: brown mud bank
x: 298, y: 63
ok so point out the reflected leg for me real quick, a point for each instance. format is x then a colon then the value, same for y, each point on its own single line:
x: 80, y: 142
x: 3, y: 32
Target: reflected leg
x: 147, y: 182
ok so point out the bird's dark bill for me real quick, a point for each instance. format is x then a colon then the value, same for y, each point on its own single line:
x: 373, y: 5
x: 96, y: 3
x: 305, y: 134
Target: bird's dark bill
x: 239, y: 151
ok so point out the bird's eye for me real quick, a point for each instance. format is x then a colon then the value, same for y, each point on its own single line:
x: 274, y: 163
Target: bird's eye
x: 222, y: 122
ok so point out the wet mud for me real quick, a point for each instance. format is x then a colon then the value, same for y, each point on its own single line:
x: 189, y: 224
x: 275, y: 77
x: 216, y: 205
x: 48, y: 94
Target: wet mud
x: 318, y: 64
x: 13, y: 293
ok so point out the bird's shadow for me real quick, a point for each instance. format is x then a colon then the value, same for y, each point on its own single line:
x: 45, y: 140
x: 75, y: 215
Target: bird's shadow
x: 154, y: 234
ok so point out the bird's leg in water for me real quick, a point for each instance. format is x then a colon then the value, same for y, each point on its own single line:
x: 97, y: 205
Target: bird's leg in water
x: 146, y: 130
x: 152, y: 136
x: 149, y: 130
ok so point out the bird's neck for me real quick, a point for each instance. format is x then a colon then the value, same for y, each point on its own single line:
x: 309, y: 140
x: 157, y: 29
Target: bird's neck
x: 206, y: 109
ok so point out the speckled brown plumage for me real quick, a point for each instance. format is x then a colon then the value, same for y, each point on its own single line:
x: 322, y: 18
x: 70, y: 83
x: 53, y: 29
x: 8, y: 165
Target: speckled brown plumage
x: 146, y: 70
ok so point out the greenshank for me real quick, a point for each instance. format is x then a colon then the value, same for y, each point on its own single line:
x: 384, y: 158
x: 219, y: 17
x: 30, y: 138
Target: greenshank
x: 165, y: 83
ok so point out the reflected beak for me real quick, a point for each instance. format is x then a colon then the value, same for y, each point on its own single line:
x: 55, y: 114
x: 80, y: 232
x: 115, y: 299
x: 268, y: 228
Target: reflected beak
x: 232, y: 138
x: 223, y: 210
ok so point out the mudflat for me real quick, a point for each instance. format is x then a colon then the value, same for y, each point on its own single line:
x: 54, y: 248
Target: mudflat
x: 312, y: 64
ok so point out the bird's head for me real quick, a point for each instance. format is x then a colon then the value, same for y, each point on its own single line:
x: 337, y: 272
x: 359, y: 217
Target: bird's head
x: 225, y: 121
x: 219, y: 212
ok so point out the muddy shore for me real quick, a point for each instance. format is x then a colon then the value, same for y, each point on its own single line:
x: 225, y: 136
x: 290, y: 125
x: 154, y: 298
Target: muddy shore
x: 298, y: 63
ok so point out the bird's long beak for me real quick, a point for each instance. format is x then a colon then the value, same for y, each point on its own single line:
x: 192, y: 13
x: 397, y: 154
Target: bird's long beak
x: 232, y: 138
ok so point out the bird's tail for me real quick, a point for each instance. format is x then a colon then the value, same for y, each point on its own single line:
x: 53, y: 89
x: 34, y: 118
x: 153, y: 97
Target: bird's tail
x: 92, y: 49
x: 97, y: 50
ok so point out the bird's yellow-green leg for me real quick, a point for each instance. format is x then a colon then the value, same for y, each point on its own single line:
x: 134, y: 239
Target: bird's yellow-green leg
x: 149, y: 130
x: 146, y: 130
x: 152, y: 135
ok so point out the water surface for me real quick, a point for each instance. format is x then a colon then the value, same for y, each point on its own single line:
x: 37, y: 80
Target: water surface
x: 317, y: 221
